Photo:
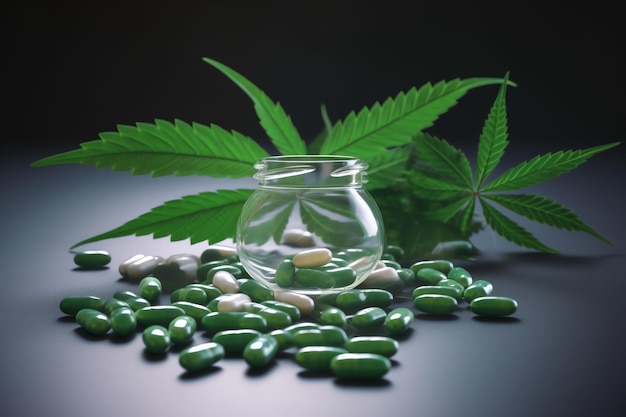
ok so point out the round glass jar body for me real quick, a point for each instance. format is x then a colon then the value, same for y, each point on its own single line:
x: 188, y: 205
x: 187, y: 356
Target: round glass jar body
x: 310, y: 226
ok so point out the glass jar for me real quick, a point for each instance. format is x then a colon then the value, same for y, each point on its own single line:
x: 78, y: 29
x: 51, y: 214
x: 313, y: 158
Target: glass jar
x: 310, y: 226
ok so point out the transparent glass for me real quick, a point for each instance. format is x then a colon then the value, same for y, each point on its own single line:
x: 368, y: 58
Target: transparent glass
x: 311, y: 219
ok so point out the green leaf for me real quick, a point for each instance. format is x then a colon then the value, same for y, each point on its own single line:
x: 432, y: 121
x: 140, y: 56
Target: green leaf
x: 450, y: 163
x: 387, y: 168
x: 542, y: 168
x: 208, y: 216
x: 398, y: 119
x: 316, y: 144
x: 468, y: 217
x: 493, y: 139
x: 448, y: 210
x: 277, y: 124
x: 164, y: 148
x: 430, y: 188
x: 510, y: 230
x: 545, y: 211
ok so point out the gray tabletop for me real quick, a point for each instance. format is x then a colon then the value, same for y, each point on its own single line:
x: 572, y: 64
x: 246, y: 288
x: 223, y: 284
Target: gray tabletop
x: 559, y: 354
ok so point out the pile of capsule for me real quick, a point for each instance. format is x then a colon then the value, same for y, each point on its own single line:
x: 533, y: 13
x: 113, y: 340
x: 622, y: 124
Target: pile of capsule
x: 351, y: 334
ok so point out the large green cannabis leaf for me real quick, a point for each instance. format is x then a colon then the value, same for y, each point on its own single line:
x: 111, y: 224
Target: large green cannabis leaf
x: 380, y: 134
x: 448, y: 191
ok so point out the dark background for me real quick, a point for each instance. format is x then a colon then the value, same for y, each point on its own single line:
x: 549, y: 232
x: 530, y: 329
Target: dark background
x: 74, y: 69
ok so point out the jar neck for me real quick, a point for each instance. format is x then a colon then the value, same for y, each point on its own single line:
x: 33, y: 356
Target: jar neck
x: 310, y: 171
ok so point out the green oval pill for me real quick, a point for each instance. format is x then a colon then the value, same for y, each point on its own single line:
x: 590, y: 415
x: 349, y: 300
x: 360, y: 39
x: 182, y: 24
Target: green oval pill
x: 293, y: 311
x: 460, y: 275
x: 441, y: 265
x: 478, y: 288
x: 260, y: 351
x: 123, y: 321
x: 216, y: 321
x: 150, y: 288
x: 182, y: 329
x: 256, y: 290
x: 368, y: 317
x: 381, y: 345
x: 93, y: 321
x: 285, y: 273
x: 493, y: 306
x: 92, y: 259
x: 313, y: 278
x: 398, y: 320
x: 201, y: 357
x: 435, y: 303
x: 156, y: 338
x: 356, y: 299
x: 321, y: 336
x: 317, y: 358
x: 429, y: 276
x: 235, y: 341
x: 73, y: 304
x: 360, y: 365
x: 438, y: 289
x: 161, y: 315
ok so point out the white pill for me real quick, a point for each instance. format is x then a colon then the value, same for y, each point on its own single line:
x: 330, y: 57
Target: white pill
x: 304, y: 303
x: 312, y: 258
x: 124, y: 265
x: 299, y: 238
x: 382, y: 278
x: 361, y: 263
x: 234, y: 302
x: 143, y: 267
x: 225, y: 282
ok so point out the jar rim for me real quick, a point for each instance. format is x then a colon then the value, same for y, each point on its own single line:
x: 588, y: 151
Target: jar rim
x: 309, y: 158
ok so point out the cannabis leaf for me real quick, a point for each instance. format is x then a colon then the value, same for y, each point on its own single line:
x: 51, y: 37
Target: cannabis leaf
x: 277, y: 124
x: 396, y: 121
x: 443, y: 177
x: 164, y: 148
x: 208, y: 216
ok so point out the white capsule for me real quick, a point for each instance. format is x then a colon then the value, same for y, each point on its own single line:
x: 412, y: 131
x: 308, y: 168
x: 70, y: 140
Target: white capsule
x: 225, y: 282
x: 299, y: 238
x: 304, y: 303
x: 312, y: 258
x: 234, y: 302
x: 141, y: 267
x: 361, y: 263
x: 382, y: 278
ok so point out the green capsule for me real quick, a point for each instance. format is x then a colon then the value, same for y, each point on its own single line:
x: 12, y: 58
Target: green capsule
x: 429, y: 276
x: 293, y: 311
x: 205, y: 267
x: 73, y: 304
x: 330, y: 315
x: 182, y: 329
x: 356, y: 299
x: 123, y: 321
x: 201, y: 357
x: 197, y: 311
x: 93, y: 321
x: 398, y: 320
x: 368, y: 317
x: 317, y: 358
x: 396, y: 251
x: 493, y: 306
x: 325, y: 335
x: 156, y: 339
x: 284, y: 339
x: 92, y: 259
x: 256, y: 290
x: 216, y: 321
x: 440, y: 265
x: 454, y: 249
x: 285, y: 273
x: 260, y: 351
x: 217, y: 253
x: 235, y: 341
x: 478, y: 288
x: 435, y: 303
x: 134, y: 301
x: 382, y: 345
x: 211, y: 292
x: 313, y: 278
x: 438, y: 289
x: 303, y: 325
x: 189, y: 294
x: 150, y: 288
x: 364, y: 366
x: 113, y: 304
x: 391, y: 263
x: 341, y: 276
x: 276, y: 319
x: 407, y: 276
x: 236, y: 272
x: 451, y: 283
x: 161, y: 315
x: 460, y: 275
